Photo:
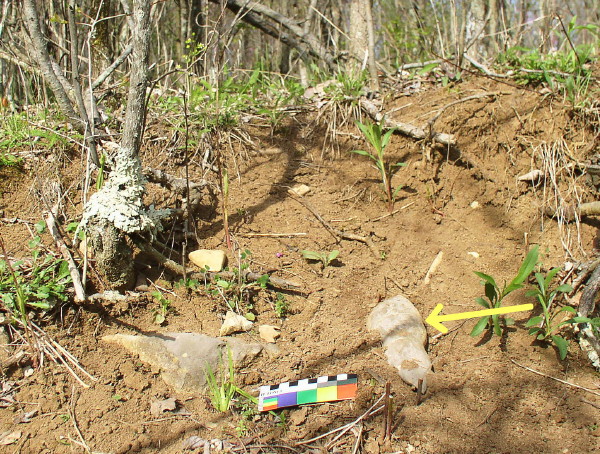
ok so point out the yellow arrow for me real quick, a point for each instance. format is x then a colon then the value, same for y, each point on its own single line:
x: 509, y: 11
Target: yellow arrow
x: 435, y: 319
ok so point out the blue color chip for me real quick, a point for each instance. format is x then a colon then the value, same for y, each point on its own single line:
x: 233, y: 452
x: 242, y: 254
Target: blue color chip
x: 286, y: 400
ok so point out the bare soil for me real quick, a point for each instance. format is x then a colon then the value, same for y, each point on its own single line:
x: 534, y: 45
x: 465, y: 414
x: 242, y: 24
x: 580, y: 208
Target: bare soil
x: 467, y: 204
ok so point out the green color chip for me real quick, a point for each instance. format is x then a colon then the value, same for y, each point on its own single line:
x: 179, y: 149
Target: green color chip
x: 308, y: 396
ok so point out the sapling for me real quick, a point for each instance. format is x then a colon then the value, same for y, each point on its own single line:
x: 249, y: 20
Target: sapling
x: 495, y: 295
x: 548, y: 323
x: 373, y: 133
x: 324, y: 257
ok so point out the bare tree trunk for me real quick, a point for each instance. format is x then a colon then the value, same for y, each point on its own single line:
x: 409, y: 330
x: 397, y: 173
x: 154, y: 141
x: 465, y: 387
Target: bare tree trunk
x: 371, y: 34
x: 358, y: 35
x: 47, y: 67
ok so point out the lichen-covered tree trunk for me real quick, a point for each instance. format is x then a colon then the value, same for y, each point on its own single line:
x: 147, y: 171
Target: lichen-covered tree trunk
x: 117, y: 209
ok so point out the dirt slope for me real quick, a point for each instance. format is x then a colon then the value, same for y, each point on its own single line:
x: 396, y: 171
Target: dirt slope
x: 459, y: 202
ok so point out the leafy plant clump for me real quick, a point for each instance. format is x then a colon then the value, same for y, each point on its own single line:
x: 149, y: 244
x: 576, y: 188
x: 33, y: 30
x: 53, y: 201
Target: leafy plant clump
x: 39, y: 283
x: 549, y: 323
x: 494, y: 295
x: 324, y: 257
x: 222, y: 387
x: 237, y: 291
x: 373, y: 132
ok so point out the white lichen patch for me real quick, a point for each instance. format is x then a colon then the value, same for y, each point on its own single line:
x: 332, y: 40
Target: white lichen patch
x: 120, y: 201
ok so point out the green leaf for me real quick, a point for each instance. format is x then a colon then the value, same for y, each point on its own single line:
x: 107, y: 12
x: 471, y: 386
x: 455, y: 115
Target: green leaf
x: 535, y: 330
x: 486, y: 278
x: 427, y: 68
x: 497, y: 327
x: 551, y: 274
x: 567, y: 309
x: 40, y: 226
x: 332, y: 255
x: 482, y: 302
x: 527, y: 266
x: 562, y: 345
x: 311, y: 255
x: 364, y: 153
x: 564, y: 288
x: 224, y: 284
x: 534, y: 321
x: 386, y: 137
x: 490, y: 292
x: 509, y: 321
x: 480, y: 326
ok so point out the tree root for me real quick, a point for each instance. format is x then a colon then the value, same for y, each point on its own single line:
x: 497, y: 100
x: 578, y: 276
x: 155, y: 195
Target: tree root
x: 571, y: 213
x: 176, y: 268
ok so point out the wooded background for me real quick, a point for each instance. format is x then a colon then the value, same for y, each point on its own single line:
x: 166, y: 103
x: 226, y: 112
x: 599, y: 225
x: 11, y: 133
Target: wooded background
x: 296, y: 38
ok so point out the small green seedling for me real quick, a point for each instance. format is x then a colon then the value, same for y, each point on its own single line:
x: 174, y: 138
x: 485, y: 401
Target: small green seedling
x: 282, y: 306
x: 548, y: 324
x: 160, y: 314
x: 324, y: 257
x: 495, y: 295
x: 373, y: 133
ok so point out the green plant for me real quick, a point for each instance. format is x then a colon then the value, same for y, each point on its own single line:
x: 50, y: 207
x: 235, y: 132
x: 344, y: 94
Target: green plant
x: 282, y: 306
x: 495, y: 295
x: 42, y: 283
x: 324, y: 257
x: 222, y: 387
x: 237, y: 291
x: 160, y: 314
x: 549, y: 324
x: 9, y: 160
x: 373, y: 133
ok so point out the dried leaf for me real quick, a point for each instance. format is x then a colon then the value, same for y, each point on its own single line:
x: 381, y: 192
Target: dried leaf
x: 194, y: 442
x: 25, y: 417
x: 8, y: 438
x: 158, y: 407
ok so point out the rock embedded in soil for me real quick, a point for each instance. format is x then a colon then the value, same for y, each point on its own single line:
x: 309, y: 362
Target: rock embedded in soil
x: 268, y: 333
x: 234, y: 323
x: 404, y: 336
x: 183, y: 357
x: 214, y: 259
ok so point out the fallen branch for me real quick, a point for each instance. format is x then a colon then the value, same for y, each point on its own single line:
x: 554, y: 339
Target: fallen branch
x: 176, y: 268
x: 405, y: 128
x: 337, y: 234
x: 50, y: 218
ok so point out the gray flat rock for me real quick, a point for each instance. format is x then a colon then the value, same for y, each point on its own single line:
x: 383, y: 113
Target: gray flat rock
x: 183, y: 357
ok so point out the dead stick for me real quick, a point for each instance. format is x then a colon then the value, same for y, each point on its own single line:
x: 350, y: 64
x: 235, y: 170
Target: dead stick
x: 64, y: 250
x: 337, y: 234
x: 404, y: 128
x: 419, y: 391
x: 556, y: 379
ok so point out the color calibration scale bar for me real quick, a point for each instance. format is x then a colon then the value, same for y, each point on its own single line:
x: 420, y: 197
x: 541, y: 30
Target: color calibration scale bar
x: 308, y: 391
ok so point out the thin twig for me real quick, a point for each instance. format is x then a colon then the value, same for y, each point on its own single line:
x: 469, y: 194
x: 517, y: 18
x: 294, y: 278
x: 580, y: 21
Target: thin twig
x: 556, y: 379
x: 74, y: 420
x: 346, y: 427
x: 337, y: 234
x: 270, y: 235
